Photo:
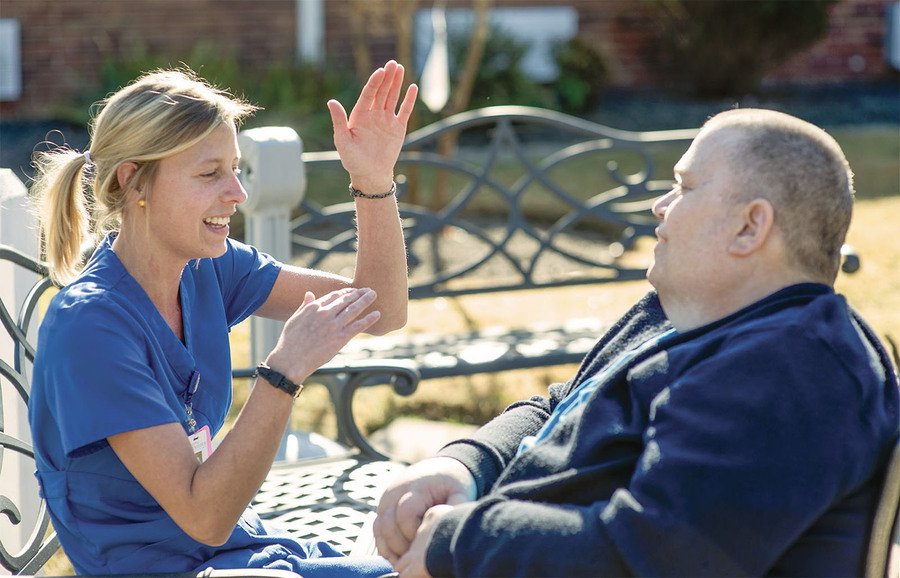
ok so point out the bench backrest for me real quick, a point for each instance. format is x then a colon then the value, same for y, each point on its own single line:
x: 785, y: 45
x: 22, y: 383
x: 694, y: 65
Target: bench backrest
x: 528, y: 198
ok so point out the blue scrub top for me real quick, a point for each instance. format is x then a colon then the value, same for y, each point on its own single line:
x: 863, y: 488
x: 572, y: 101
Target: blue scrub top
x: 108, y: 363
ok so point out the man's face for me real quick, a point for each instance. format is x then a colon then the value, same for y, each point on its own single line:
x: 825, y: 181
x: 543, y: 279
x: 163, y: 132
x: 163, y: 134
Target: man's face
x: 698, y: 221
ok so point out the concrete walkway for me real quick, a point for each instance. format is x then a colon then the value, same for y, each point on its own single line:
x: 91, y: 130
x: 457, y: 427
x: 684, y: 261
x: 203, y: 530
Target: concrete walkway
x: 411, y: 439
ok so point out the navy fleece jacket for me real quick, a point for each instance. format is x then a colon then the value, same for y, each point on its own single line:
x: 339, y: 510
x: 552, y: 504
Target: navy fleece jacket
x: 753, y: 446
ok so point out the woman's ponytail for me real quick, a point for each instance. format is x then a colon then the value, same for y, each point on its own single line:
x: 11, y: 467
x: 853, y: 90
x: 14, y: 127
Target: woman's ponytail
x: 64, y: 211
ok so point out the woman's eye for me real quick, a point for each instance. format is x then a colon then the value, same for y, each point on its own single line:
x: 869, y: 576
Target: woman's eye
x: 209, y: 175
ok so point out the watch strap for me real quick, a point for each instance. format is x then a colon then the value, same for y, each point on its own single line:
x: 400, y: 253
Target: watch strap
x: 277, y: 380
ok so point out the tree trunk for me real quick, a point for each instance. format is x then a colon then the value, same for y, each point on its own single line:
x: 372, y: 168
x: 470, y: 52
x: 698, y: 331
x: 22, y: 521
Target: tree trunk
x: 359, y: 14
x: 460, y: 98
x: 404, y: 10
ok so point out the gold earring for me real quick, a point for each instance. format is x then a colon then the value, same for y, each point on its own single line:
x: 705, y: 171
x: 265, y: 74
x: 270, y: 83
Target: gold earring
x: 142, y: 203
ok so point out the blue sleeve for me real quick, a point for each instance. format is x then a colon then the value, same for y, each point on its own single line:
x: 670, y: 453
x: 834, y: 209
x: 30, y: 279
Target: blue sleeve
x: 490, y: 449
x: 246, y: 277
x: 742, y: 453
x: 99, y: 383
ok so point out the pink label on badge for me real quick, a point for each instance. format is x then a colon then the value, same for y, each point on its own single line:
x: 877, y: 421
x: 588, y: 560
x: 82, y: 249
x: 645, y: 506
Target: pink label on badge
x: 201, y: 443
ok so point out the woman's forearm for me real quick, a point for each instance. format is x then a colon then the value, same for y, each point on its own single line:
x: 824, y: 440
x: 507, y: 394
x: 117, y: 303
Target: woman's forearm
x: 381, y: 260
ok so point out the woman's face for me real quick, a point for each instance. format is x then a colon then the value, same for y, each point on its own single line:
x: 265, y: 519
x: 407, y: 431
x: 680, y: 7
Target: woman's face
x: 193, y: 196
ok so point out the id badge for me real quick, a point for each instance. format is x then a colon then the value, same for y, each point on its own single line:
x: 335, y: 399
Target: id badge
x: 201, y: 443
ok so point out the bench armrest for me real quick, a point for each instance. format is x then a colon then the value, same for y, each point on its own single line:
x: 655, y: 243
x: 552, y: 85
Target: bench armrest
x: 344, y: 379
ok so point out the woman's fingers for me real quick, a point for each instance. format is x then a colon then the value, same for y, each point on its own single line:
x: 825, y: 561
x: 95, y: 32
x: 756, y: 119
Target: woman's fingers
x: 384, y: 86
x: 382, y: 91
x: 393, y: 94
x: 344, y: 307
x: 354, y: 307
x: 338, y: 118
x: 361, y: 325
x: 409, y: 101
x: 368, y: 93
x: 333, y: 296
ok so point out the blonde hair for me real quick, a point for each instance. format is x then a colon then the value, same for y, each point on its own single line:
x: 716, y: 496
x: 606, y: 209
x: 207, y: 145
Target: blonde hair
x: 158, y: 115
x: 803, y: 172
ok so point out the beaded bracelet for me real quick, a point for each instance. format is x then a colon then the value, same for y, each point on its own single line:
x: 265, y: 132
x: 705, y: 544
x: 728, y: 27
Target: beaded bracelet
x: 360, y: 194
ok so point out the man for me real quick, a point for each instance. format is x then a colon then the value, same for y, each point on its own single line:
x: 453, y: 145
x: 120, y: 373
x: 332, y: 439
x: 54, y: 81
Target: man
x: 736, y: 421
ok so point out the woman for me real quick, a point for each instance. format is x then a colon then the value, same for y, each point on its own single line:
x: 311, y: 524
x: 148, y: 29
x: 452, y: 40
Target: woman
x: 132, y: 376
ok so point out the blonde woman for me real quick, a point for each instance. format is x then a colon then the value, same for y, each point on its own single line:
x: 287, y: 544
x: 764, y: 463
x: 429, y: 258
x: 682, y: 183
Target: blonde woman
x: 132, y: 374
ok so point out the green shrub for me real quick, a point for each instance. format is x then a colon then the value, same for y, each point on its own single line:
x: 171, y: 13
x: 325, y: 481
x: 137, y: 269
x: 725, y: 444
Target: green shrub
x: 583, y: 73
x: 288, y: 93
x: 295, y: 95
x: 717, y: 48
x: 500, y: 79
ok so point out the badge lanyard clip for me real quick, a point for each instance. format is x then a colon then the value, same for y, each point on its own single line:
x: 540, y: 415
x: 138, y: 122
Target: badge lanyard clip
x: 192, y: 387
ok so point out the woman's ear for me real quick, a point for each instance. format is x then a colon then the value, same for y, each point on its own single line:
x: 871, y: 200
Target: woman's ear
x: 758, y: 220
x: 125, y: 174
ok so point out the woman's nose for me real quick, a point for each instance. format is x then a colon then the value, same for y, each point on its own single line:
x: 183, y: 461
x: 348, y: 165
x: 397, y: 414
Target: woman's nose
x: 236, y: 191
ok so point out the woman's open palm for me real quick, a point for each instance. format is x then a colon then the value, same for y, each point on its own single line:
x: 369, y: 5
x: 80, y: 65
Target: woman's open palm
x: 369, y: 141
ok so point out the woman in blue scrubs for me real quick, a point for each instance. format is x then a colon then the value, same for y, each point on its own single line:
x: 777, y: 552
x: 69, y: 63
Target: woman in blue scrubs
x: 133, y: 376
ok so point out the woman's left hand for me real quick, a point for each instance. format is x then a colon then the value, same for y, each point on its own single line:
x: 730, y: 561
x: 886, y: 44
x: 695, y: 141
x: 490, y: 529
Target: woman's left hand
x: 369, y: 141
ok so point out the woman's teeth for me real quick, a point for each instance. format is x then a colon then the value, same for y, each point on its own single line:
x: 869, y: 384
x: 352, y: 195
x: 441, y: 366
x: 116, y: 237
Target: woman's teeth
x: 217, y: 221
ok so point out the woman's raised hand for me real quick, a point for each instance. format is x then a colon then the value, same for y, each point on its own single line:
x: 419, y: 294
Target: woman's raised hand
x: 369, y: 141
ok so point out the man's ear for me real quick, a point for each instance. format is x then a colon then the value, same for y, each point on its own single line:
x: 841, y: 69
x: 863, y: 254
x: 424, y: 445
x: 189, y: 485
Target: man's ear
x: 758, y: 219
x: 125, y: 174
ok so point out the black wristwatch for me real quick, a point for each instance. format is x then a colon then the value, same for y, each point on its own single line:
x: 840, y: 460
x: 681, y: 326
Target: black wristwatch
x: 278, y: 380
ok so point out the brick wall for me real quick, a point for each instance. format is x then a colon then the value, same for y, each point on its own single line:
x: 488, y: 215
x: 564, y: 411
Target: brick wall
x: 853, y: 49
x: 625, y: 31
x: 65, y: 42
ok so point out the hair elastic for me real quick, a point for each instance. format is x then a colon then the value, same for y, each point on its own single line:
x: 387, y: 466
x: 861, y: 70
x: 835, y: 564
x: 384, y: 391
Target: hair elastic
x: 87, y: 157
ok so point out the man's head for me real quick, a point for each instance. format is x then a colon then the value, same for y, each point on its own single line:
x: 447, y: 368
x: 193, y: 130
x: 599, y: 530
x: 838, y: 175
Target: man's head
x: 762, y: 200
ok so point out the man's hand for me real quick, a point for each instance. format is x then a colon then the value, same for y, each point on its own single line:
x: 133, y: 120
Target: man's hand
x: 412, y: 564
x: 432, y: 482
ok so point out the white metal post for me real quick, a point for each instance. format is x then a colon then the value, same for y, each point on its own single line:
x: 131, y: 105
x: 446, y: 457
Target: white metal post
x: 275, y: 180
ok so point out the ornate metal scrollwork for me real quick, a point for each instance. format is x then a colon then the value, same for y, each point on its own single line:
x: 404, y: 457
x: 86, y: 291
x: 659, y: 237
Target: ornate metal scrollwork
x: 510, y: 214
x: 39, y: 546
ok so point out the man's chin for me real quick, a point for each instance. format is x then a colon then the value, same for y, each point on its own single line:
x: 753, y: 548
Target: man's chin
x: 652, y: 276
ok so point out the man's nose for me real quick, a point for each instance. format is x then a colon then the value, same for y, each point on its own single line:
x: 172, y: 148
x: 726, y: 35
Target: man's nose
x: 661, y: 204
